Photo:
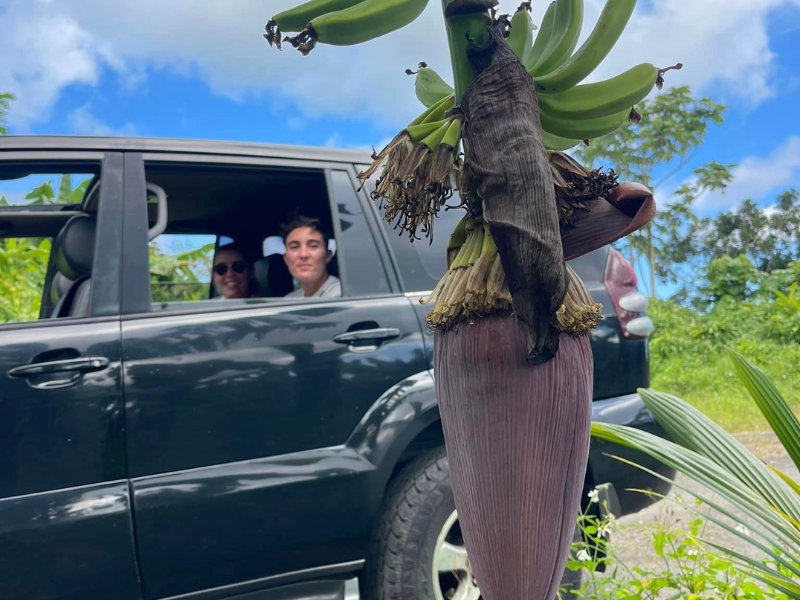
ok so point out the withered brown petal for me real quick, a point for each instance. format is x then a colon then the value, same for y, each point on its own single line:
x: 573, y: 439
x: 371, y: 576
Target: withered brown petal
x: 629, y: 207
x: 510, y: 168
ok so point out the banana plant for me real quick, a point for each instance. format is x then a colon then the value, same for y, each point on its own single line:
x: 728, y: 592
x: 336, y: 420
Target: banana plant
x: 512, y: 360
x: 707, y: 454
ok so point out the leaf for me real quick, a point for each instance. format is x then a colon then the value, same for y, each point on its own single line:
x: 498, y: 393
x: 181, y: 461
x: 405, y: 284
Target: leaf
x: 76, y: 195
x: 64, y: 189
x: 772, y: 405
x: 41, y: 194
x: 690, y: 428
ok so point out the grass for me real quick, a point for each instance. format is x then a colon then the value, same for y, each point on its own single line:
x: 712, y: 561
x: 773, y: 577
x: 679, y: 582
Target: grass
x: 688, y: 358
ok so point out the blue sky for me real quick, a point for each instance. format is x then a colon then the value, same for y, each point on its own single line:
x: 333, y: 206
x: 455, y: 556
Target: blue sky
x: 200, y: 69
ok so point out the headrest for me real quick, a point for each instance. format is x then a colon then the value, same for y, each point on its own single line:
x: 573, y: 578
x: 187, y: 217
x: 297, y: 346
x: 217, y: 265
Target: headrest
x: 273, y: 276
x: 59, y: 287
x: 74, y: 247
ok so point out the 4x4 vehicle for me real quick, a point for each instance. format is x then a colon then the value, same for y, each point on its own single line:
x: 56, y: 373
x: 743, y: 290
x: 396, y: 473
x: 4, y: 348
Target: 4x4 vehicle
x: 158, y: 443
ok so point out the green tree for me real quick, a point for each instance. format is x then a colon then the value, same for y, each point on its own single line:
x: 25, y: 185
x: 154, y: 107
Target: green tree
x: 5, y: 101
x: 768, y: 238
x: 23, y: 264
x: 672, y: 129
x: 732, y: 278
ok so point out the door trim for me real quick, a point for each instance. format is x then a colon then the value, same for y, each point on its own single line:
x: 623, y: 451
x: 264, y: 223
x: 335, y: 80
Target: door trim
x: 255, y: 585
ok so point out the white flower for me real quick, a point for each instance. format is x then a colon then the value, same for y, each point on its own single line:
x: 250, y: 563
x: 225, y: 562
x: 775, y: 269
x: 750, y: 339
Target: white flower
x: 691, y: 552
x: 594, y: 496
x: 742, y: 529
x: 603, y: 529
x: 583, y: 556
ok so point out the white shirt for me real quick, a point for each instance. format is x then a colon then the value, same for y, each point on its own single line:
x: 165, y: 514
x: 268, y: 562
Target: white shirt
x: 332, y: 288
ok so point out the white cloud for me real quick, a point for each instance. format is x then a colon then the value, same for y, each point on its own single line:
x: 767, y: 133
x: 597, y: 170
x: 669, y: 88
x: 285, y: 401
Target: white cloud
x: 757, y: 176
x: 56, y: 45
x: 82, y: 122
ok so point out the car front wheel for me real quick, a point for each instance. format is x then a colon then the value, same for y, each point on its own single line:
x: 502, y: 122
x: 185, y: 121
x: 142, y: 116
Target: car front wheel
x: 418, y: 551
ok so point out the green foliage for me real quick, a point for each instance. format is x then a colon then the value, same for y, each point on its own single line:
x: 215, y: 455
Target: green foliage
x: 763, y: 501
x: 681, y: 565
x: 731, y: 278
x: 5, y: 102
x: 687, y: 357
x: 177, y: 277
x: 23, y: 265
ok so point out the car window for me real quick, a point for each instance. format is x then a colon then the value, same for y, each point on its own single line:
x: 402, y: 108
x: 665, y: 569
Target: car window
x: 23, y: 269
x: 36, y: 203
x: 219, y: 235
x: 42, y: 189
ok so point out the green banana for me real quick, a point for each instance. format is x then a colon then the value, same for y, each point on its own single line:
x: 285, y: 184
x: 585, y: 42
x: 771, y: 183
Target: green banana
x: 453, y: 134
x: 564, y: 39
x: 438, y: 110
x: 434, y: 138
x: 417, y: 133
x: 365, y: 21
x: 429, y: 86
x: 556, y: 143
x: 603, y: 98
x: 604, y: 36
x: 434, y: 111
x: 520, y: 38
x: 298, y: 17
x: 575, y: 129
x: 542, y: 38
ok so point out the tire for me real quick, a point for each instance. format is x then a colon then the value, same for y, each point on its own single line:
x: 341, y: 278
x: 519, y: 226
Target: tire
x: 418, y: 526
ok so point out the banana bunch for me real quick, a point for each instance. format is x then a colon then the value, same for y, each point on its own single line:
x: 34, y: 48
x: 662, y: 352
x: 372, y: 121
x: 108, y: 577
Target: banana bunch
x: 422, y: 168
x: 569, y: 113
x: 475, y: 285
x: 341, y: 22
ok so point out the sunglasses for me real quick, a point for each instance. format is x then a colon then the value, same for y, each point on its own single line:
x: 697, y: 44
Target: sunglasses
x: 238, y: 267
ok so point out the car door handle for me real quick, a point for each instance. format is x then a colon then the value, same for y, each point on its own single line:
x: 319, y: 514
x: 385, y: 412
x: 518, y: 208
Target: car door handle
x: 368, y: 335
x: 86, y: 364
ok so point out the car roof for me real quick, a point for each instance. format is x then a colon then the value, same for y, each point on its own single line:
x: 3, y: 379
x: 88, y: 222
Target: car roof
x: 182, y: 146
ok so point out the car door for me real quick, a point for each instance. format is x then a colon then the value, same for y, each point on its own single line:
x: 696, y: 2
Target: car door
x: 65, y: 519
x: 238, y: 414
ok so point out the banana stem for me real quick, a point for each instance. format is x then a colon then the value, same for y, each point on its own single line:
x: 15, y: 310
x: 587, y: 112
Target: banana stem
x: 459, y: 27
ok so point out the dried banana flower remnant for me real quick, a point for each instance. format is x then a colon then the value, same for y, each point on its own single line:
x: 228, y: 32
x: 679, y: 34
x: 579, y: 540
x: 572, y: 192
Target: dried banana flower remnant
x: 575, y: 186
x: 511, y: 171
x: 421, y: 169
x: 475, y: 284
x: 580, y: 313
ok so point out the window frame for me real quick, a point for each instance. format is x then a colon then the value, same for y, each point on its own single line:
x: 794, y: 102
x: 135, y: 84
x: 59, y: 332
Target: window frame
x: 106, y: 265
x: 135, y: 300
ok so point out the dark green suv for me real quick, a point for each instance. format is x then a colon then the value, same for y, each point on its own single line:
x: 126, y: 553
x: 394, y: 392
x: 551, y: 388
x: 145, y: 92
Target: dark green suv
x: 158, y: 442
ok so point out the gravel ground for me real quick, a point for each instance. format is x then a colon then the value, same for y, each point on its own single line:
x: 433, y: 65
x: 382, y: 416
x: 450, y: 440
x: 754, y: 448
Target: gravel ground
x: 635, y: 549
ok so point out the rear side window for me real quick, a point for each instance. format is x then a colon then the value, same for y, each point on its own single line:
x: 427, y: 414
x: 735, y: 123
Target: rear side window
x: 36, y: 201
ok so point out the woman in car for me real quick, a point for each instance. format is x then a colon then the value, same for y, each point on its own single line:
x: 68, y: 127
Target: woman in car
x: 231, y: 274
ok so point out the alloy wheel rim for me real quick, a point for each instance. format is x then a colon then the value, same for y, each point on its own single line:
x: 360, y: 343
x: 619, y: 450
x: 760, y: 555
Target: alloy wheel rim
x: 451, y: 571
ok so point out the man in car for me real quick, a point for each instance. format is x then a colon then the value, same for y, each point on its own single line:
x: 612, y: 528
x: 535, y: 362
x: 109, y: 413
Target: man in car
x: 307, y: 257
